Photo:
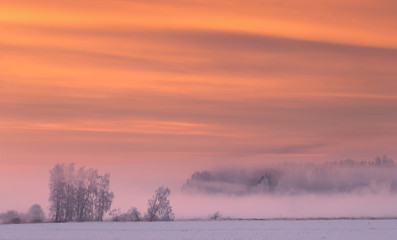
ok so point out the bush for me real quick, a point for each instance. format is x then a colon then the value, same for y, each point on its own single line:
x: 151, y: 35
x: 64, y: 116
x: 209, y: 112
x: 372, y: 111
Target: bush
x: 11, y: 217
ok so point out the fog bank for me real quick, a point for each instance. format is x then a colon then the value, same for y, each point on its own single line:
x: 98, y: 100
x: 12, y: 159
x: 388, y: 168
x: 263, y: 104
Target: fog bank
x: 341, y: 177
x: 328, y: 190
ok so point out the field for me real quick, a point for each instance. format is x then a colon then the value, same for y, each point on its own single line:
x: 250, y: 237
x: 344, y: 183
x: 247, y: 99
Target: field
x: 260, y: 229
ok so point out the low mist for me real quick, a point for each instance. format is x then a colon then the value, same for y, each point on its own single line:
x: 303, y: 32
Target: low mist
x: 346, y: 176
x: 328, y: 190
x: 366, y: 205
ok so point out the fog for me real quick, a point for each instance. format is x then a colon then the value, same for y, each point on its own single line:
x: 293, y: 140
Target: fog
x: 352, y: 205
x: 345, y: 176
x: 331, y: 190
x: 273, y: 190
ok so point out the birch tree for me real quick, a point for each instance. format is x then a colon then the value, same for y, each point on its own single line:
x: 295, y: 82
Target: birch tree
x: 78, y: 196
x: 159, y: 208
x: 57, y: 192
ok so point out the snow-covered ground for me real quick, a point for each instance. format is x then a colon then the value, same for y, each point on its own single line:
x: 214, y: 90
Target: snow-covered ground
x: 268, y: 229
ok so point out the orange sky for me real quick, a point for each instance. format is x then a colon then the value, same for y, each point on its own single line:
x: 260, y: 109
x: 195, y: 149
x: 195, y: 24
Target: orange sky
x: 153, y: 90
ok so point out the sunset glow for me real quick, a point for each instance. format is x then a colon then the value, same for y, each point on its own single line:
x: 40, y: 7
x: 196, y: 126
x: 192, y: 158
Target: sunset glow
x: 152, y: 91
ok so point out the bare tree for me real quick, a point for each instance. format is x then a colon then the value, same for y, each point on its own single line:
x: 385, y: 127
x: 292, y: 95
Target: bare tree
x: 159, y: 208
x: 215, y: 216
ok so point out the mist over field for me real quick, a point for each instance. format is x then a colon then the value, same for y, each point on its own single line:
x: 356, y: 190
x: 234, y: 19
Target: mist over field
x: 345, y: 176
x: 345, y: 188
x: 341, y: 205
x: 329, y: 190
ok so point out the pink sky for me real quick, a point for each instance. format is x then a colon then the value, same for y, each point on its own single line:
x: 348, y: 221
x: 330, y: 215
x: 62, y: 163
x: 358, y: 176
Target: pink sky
x: 151, y: 91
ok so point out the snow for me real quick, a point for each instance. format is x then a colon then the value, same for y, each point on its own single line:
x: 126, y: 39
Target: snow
x: 261, y: 229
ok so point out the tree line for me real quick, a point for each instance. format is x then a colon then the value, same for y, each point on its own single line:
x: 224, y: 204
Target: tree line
x: 84, y: 195
x: 35, y: 214
x: 159, y: 209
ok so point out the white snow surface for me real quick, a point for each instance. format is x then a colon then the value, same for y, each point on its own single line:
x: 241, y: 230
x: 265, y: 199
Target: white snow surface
x: 246, y: 229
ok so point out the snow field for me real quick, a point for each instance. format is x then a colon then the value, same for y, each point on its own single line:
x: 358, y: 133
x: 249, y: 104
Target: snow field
x: 247, y: 229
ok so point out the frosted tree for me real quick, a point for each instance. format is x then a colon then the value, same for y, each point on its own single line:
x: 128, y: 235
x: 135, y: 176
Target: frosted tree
x: 78, y: 196
x: 159, y: 208
x: 116, y: 214
x: 35, y: 214
x: 104, y: 197
x: 81, y: 193
x: 86, y: 194
x: 70, y: 192
x: 57, y: 192
x: 11, y: 217
x: 134, y: 214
